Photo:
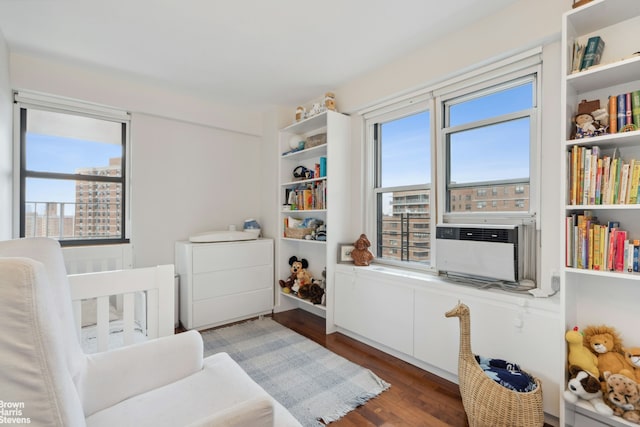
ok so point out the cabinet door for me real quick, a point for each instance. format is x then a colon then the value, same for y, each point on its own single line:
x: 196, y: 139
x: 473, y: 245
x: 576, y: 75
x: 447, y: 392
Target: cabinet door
x: 377, y: 309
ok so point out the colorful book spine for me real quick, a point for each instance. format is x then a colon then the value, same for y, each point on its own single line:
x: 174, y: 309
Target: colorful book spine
x: 592, y: 53
x: 628, y: 111
x: 621, y: 237
x: 613, y: 114
x: 635, y: 183
x: 323, y: 166
x: 622, y: 111
x: 635, y: 108
x: 624, y: 179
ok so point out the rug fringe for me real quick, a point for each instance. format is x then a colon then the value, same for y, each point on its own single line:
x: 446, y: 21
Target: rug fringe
x: 349, y: 406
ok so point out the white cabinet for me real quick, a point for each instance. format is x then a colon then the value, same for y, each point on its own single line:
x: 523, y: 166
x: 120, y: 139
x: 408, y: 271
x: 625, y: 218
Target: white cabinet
x: 224, y: 282
x: 593, y: 296
x: 325, y: 196
x: 377, y: 309
x: 403, y: 313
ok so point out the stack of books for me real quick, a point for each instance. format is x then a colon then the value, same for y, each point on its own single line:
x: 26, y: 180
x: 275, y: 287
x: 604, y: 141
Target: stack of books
x: 602, y: 247
x: 585, y: 56
x: 624, y: 112
x: 597, y: 179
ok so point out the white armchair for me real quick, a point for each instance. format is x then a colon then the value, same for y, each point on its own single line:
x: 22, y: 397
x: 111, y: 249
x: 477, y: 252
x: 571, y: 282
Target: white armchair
x: 45, y: 376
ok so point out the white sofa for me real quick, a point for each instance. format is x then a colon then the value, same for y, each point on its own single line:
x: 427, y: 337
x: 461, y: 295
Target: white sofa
x: 47, y: 378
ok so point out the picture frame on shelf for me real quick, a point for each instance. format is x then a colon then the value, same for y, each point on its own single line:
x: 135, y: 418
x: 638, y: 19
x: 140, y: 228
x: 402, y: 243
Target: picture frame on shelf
x: 344, y: 252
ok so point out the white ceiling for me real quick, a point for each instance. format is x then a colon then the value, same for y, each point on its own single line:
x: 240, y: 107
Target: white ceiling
x: 247, y: 52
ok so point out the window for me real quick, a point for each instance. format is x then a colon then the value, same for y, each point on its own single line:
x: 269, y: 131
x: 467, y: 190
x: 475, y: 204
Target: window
x: 487, y: 138
x: 402, y: 182
x: 483, y: 128
x: 71, y: 161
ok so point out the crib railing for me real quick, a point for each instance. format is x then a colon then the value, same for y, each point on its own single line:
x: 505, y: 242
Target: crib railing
x: 157, y: 283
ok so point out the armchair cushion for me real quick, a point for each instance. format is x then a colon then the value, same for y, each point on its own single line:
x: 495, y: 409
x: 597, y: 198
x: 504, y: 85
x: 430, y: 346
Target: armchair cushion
x: 222, y: 389
x: 33, y: 368
x: 114, y: 376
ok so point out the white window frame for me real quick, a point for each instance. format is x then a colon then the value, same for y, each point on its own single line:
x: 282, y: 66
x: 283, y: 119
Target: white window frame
x: 24, y: 99
x: 430, y: 98
x: 503, y: 217
x: 396, y: 111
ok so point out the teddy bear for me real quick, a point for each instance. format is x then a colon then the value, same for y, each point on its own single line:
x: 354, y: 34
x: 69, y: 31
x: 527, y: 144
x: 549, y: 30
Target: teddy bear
x: 360, y: 254
x: 330, y: 101
x: 579, y: 355
x: 583, y: 385
x: 606, y: 344
x: 622, y: 394
x: 298, y: 276
x: 632, y: 360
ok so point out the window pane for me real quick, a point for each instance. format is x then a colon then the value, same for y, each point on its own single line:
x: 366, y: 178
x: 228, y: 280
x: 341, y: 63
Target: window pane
x: 405, y: 151
x: 495, y: 104
x: 489, y: 153
x: 66, y: 209
x: 404, y: 226
x: 63, y: 143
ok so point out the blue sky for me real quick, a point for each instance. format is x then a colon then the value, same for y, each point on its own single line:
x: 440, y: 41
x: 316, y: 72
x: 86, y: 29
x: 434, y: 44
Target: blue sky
x: 56, y: 154
x: 490, y: 153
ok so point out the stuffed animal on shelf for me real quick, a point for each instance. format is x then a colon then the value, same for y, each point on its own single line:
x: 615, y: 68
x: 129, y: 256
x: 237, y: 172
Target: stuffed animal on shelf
x: 360, y: 254
x: 632, y: 359
x: 582, y: 385
x: 622, y: 394
x: 579, y: 355
x: 298, y: 270
x: 605, y: 343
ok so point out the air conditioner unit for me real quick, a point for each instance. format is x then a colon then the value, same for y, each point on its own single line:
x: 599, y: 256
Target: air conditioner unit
x: 496, y: 252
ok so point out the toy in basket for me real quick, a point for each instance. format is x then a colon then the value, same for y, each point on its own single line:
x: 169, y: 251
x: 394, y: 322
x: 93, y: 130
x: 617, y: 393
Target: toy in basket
x: 487, y: 402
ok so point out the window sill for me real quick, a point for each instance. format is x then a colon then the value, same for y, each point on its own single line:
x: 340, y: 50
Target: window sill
x: 434, y: 283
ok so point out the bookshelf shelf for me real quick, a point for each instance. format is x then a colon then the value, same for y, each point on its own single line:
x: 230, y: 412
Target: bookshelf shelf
x: 598, y: 296
x: 329, y: 199
x: 303, y: 301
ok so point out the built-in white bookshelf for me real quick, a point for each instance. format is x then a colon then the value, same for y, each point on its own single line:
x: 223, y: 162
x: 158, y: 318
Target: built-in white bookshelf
x: 590, y: 296
x: 330, y: 194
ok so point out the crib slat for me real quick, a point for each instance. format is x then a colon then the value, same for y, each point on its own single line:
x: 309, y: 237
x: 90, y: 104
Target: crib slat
x: 103, y: 323
x: 77, y: 316
x: 128, y: 317
x: 152, y: 313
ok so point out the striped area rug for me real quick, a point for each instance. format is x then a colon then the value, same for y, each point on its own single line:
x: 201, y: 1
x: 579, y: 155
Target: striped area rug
x: 313, y: 383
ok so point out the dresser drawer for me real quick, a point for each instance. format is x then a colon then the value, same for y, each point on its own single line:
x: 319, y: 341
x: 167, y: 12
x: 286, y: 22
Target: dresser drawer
x: 226, y: 282
x: 228, y: 256
x: 215, y: 311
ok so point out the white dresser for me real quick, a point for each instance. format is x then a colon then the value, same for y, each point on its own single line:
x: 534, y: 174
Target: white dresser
x: 224, y: 282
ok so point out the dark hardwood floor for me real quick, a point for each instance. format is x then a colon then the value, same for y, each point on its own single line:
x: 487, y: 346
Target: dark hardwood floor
x: 415, y: 398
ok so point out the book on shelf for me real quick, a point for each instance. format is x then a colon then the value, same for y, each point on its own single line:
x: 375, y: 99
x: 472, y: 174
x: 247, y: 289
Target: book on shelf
x: 601, y: 247
x: 635, y: 108
x: 592, y: 52
x: 622, y: 111
x: 613, y: 114
x: 578, y: 53
x: 323, y: 166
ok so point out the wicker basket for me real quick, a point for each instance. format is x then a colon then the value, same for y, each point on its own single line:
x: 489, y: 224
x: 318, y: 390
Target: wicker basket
x: 297, y: 233
x: 315, y: 140
x: 487, y: 403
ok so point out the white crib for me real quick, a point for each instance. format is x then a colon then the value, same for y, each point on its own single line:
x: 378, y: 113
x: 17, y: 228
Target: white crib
x: 115, y: 304
x: 146, y: 309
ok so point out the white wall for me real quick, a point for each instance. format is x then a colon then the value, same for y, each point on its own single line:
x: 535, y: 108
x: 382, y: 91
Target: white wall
x: 519, y: 27
x: 196, y: 165
x: 6, y: 122
x: 185, y: 179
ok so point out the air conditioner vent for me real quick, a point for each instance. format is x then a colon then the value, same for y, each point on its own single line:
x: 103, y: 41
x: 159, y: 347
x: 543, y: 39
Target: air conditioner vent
x: 496, y: 235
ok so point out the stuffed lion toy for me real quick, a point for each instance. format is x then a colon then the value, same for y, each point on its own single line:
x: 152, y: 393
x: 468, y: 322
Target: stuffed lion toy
x: 606, y: 344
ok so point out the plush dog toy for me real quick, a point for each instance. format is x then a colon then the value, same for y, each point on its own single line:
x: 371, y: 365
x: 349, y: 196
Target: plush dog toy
x: 583, y: 385
x: 623, y: 396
